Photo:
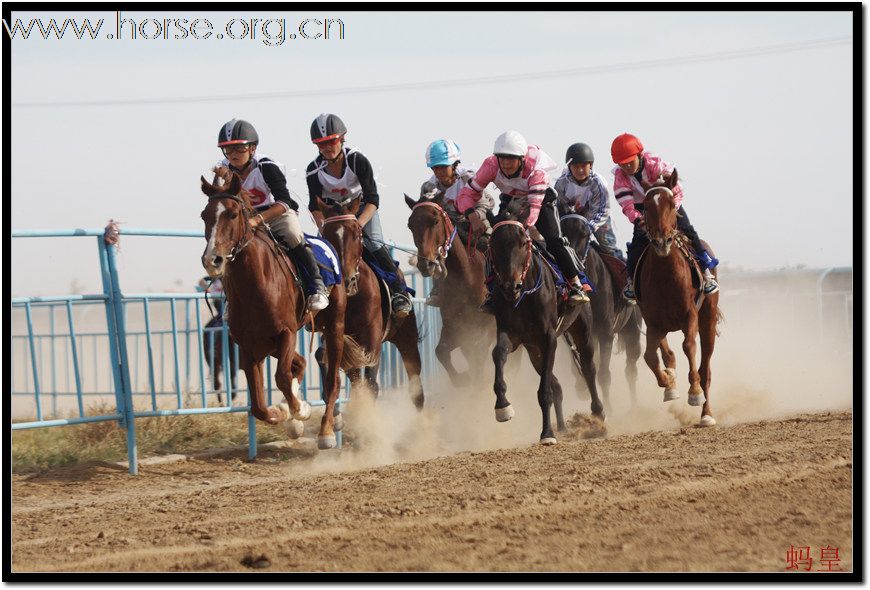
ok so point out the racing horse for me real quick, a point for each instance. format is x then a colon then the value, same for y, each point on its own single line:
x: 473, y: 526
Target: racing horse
x: 612, y: 314
x: 368, y: 315
x: 669, y: 302
x: 442, y: 255
x: 213, y: 350
x: 268, y: 306
x: 529, y: 311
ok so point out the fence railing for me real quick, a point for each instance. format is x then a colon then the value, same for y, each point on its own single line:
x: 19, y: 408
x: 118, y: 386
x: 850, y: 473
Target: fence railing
x: 149, y: 354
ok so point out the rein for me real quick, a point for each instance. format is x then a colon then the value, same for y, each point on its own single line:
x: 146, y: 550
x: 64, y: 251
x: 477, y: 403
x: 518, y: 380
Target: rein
x: 526, y: 265
x: 670, y: 193
x: 450, y: 229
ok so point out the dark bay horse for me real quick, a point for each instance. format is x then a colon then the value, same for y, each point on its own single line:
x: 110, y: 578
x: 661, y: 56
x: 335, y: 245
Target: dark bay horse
x: 267, y: 306
x: 667, y: 300
x: 442, y: 254
x: 529, y: 311
x: 368, y: 315
x: 612, y: 314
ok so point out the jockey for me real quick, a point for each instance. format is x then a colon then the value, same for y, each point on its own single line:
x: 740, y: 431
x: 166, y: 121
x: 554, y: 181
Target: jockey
x: 340, y: 173
x: 263, y: 178
x: 634, y: 166
x: 520, y: 170
x: 582, y: 191
x: 442, y: 156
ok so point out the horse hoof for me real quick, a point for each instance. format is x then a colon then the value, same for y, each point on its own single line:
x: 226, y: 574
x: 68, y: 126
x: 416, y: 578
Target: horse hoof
x: 295, y: 428
x: 326, y: 442
x: 697, y: 400
x: 707, y: 420
x: 671, y: 394
x: 548, y: 441
x: 284, y: 410
x: 338, y: 423
x: 504, y: 414
x: 304, y: 411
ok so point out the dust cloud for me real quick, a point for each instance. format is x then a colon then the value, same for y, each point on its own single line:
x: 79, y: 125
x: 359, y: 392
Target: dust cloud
x: 770, y: 360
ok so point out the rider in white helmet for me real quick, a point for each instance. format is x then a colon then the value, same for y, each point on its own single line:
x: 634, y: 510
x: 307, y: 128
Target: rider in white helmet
x: 521, y: 171
x: 448, y: 178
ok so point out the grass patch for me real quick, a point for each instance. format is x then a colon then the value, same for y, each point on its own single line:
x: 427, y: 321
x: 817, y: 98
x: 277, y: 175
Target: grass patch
x: 39, y: 449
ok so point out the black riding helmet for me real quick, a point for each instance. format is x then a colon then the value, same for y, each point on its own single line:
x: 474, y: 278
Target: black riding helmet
x: 237, y: 132
x: 578, y: 153
x: 327, y: 126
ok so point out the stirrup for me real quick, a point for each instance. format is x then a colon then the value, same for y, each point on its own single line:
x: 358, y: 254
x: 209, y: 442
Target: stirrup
x: 710, y: 287
x: 576, y: 295
x: 401, y: 305
x: 629, y: 293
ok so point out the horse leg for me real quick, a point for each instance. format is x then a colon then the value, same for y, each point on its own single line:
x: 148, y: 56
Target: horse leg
x: 407, y: 342
x: 446, y: 344
x: 288, y: 375
x: 503, y: 346
x: 655, y: 340
x: 707, y: 327
x: 547, y: 356
x: 581, y: 334
x: 690, y: 337
x: 254, y: 373
x: 605, y: 353
x: 334, y: 350
x: 631, y: 339
x: 371, y: 380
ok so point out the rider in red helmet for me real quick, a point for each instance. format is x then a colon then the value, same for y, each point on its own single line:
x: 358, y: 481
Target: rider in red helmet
x: 635, y: 165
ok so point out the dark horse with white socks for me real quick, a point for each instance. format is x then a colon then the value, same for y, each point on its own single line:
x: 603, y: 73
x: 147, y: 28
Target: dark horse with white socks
x: 530, y: 311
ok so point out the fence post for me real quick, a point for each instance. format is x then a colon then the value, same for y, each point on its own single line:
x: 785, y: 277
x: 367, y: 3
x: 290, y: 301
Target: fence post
x: 118, y: 341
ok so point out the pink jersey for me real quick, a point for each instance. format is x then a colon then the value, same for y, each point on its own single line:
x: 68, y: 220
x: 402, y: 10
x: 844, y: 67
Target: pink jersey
x: 628, y: 190
x: 531, y: 183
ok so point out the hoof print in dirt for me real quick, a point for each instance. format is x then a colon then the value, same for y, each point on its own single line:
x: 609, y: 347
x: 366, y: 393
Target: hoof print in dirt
x: 256, y: 562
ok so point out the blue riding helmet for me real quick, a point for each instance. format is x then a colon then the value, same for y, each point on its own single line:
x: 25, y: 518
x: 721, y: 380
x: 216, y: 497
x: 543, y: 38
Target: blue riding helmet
x: 442, y: 152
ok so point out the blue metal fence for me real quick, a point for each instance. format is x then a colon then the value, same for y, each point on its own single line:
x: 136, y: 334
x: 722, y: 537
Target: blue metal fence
x: 133, y: 356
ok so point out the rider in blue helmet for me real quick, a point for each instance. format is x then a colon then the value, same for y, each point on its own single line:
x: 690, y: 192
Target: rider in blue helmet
x: 448, y: 178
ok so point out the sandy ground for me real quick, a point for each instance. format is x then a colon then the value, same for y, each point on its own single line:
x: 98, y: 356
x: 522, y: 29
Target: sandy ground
x: 450, y: 489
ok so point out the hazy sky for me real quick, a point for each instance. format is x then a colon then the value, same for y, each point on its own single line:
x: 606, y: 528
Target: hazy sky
x: 763, y: 143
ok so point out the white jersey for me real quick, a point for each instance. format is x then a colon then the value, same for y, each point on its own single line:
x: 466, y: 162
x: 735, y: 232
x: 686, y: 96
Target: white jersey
x: 255, y: 183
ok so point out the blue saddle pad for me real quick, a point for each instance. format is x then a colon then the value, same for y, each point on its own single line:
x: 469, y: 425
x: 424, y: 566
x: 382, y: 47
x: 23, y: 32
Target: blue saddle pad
x: 388, y: 277
x: 327, y: 260
x: 558, y: 277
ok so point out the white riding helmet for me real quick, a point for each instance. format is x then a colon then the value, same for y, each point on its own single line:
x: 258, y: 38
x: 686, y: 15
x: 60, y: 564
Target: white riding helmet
x: 510, y: 143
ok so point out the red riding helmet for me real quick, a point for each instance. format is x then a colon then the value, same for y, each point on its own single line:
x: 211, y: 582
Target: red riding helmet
x: 625, y: 147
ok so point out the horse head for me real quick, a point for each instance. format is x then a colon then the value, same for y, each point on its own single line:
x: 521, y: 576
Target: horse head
x: 511, y: 255
x: 432, y: 230
x: 575, y: 228
x: 226, y: 223
x: 660, y: 214
x: 342, y: 229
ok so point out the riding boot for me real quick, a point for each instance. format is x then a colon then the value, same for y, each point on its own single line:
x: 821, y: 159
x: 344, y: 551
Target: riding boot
x: 318, y: 296
x: 706, y: 263
x: 400, y: 302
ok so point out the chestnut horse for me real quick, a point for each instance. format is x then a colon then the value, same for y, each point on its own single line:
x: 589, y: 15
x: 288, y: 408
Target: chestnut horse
x: 668, y: 300
x: 612, y: 315
x: 442, y: 255
x: 268, y: 306
x: 368, y: 316
x: 529, y: 311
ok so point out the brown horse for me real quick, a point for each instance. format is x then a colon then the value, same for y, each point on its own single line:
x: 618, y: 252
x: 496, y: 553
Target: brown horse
x: 668, y: 300
x: 529, y: 311
x: 267, y: 306
x: 442, y: 255
x: 368, y: 316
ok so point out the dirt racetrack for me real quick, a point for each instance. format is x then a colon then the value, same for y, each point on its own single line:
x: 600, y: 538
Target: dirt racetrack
x: 732, y: 498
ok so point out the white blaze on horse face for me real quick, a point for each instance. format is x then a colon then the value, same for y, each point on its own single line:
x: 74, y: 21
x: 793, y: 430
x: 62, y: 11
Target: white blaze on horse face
x: 209, y: 248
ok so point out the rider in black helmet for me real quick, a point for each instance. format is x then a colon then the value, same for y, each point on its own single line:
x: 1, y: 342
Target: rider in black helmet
x: 582, y: 191
x: 264, y: 179
x: 341, y: 173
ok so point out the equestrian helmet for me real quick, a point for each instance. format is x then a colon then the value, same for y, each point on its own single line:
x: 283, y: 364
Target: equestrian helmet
x: 510, y: 143
x: 327, y: 126
x: 579, y: 153
x: 237, y: 132
x: 625, y: 147
x: 442, y: 152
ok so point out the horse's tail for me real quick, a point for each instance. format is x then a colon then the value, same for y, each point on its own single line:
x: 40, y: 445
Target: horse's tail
x: 355, y: 356
x: 720, y: 319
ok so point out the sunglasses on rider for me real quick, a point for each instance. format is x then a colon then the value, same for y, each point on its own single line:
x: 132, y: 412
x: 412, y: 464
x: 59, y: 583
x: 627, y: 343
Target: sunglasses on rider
x: 328, y: 143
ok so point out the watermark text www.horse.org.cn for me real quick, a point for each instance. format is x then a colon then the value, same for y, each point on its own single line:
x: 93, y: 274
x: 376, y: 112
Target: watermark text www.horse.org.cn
x: 269, y: 31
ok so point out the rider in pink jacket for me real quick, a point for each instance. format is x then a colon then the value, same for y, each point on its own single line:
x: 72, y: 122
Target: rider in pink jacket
x: 521, y: 171
x: 633, y: 166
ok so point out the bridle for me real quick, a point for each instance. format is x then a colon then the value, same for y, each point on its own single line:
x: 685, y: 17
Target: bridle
x: 528, y: 261
x: 449, y: 229
x: 246, y: 212
x: 350, y: 281
x: 671, y: 234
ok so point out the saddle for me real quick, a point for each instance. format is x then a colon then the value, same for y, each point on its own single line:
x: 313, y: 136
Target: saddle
x: 686, y: 249
x: 616, y: 266
x: 384, y: 275
x: 550, y: 262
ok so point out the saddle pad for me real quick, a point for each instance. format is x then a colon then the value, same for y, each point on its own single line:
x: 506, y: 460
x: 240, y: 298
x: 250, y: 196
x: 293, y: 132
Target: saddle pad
x: 388, y: 277
x: 558, y: 277
x: 618, y: 269
x: 327, y: 260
